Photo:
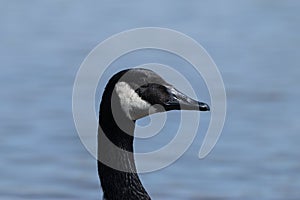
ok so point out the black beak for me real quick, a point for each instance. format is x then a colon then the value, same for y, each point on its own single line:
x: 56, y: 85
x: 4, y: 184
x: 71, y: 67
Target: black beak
x: 179, y: 101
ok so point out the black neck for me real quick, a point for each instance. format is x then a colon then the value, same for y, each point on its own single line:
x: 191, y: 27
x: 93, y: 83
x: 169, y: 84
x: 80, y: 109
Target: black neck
x: 116, y: 169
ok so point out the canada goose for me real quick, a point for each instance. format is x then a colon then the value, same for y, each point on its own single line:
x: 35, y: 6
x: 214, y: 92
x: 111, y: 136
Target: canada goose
x: 128, y: 96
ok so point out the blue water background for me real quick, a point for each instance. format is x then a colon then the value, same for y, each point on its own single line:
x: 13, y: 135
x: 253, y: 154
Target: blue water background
x: 255, y: 44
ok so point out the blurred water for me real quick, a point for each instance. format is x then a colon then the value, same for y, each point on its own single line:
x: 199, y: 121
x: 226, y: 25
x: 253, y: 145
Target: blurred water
x: 254, y: 43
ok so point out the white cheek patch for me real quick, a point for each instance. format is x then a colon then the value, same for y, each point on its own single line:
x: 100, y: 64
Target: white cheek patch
x: 131, y: 103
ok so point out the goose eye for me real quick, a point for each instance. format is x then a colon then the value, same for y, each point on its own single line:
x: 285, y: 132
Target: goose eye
x: 142, y: 89
x: 145, y: 86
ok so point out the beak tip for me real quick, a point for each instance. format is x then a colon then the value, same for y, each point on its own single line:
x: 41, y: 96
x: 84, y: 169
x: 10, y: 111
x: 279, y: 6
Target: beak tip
x: 204, y: 107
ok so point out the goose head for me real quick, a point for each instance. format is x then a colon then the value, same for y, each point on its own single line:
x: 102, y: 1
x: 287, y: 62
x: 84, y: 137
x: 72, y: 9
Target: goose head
x: 141, y: 92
